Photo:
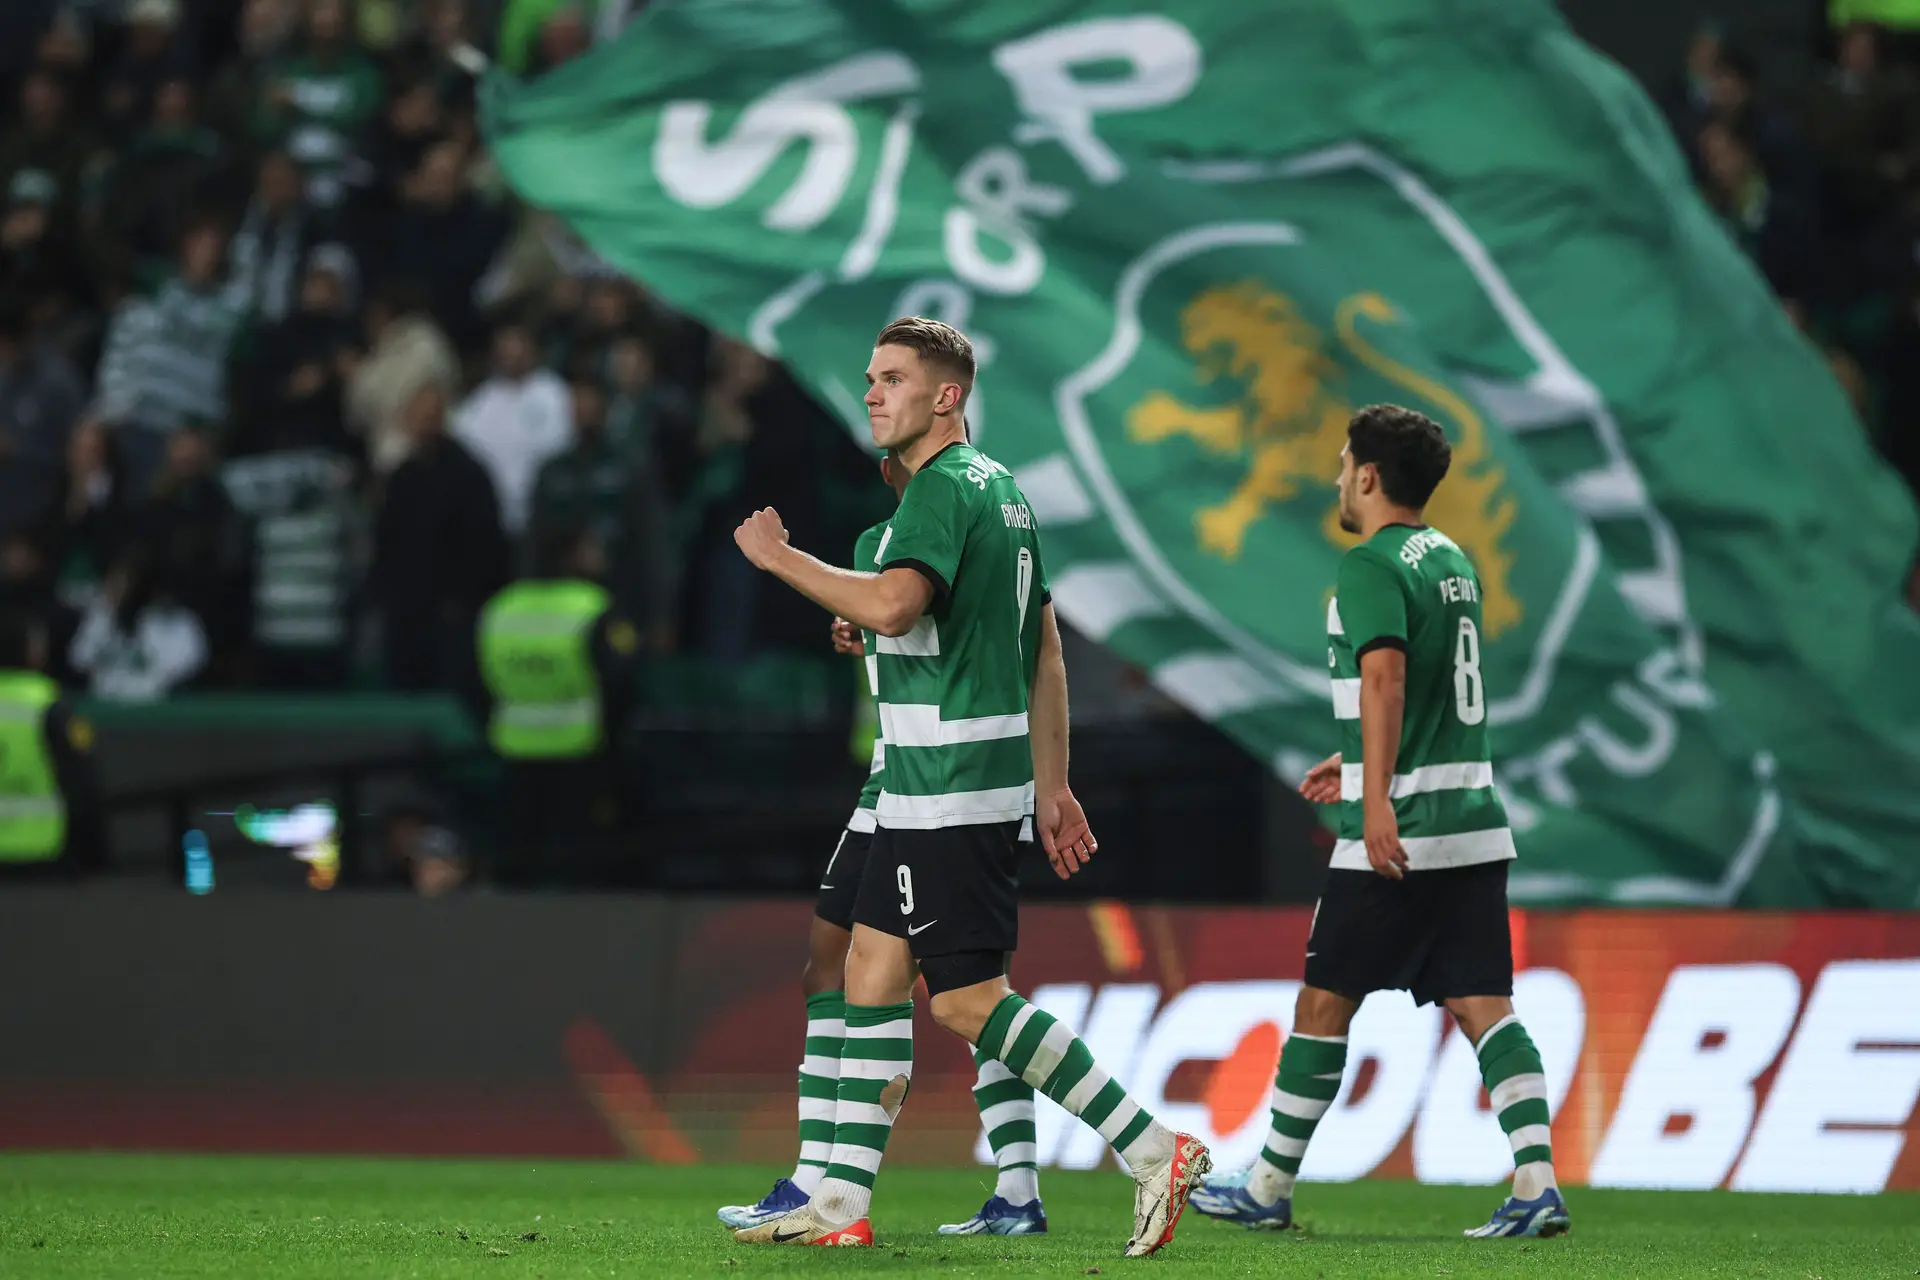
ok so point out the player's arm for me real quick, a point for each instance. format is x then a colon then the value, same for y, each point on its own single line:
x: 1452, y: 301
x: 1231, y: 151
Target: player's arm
x: 888, y: 602
x: 1058, y: 817
x: 1373, y: 609
x: 1383, y: 702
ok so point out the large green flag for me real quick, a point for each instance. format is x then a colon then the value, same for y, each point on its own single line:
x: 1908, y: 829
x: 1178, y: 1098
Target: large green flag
x: 1187, y: 240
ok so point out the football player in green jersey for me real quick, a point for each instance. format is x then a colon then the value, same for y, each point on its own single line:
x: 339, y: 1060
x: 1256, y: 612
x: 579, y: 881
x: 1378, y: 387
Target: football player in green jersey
x: 973, y: 708
x: 1416, y: 893
x: 1004, y: 1100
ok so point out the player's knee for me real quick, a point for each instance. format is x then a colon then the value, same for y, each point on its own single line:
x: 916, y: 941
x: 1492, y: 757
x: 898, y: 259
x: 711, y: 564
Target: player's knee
x: 878, y: 969
x: 965, y: 1012
x: 826, y: 959
x: 818, y: 977
x: 964, y: 988
x: 1477, y: 1014
x: 1322, y: 1013
x: 955, y: 1013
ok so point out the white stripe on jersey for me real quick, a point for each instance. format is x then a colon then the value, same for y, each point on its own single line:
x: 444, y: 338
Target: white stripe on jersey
x: 956, y: 808
x: 1346, y: 699
x: 921, y: 642
x: 1466, y: 776
x: 1432, y: 853
x: 918, y: 724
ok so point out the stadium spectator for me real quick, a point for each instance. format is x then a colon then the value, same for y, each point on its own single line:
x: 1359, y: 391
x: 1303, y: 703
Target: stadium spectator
x: 60, y: 743
x: 173, y: 166
x: 646, y: 411
x: 1688, y: 97
x: 136, y: 642
x: 292, y: 391
x: 419, y: 851
x: 515, y: 421
x: 26, y: 578
x: 298, y: 502
x: 611, y: 489
x: 413, y: 120
x: 1764, y: 219
x: 265, y: 31
x: 445, y: 234
x: 40, y: 401
x: 407, y: 351
x: 316, y: 102
x: 190, y: 540
x: 438, y: 553
x: 165, y: 363
x: 539, y: 35
x: 92, y: 520
x: 270, y: 247
x: 558, y: 659
x: 46, y: 138
x: 154, y: 52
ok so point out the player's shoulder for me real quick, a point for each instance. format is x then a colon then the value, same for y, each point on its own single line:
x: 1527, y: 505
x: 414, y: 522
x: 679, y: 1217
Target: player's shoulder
x: 1369, y: 557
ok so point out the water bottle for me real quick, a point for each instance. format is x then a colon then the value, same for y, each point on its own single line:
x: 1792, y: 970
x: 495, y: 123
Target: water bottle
x: 199, y: 862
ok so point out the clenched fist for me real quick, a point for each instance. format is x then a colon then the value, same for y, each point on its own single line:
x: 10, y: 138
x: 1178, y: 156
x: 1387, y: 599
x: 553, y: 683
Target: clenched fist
x: 761, y: 537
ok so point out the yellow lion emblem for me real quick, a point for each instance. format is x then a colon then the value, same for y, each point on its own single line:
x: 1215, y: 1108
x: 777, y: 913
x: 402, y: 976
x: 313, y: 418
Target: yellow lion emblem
x: 1290, y: 424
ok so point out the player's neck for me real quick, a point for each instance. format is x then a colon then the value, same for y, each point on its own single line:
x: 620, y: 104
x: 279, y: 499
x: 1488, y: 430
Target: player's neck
x: 1386, y: 517
x: 942, y: 434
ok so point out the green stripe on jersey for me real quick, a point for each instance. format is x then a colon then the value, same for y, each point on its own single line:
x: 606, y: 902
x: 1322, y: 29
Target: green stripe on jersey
x: 957, y: 683
x: 1417, y: 589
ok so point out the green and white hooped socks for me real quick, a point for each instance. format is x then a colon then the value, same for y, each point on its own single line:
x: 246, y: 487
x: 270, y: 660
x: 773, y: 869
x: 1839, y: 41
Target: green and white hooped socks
x: 1006, y: 1113
x: 819, y: 1086
x: 876, y: 1068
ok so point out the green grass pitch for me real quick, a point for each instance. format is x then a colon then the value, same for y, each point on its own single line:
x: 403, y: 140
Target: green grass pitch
x: 109, y: 1216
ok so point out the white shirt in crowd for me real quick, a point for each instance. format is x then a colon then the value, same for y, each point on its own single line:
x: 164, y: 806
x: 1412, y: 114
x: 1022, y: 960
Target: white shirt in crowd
x: 165, y: 648
x: 513, y: 427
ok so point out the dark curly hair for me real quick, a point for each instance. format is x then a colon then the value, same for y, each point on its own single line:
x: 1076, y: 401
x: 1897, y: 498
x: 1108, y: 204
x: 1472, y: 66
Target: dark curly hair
x: 1410, y: 450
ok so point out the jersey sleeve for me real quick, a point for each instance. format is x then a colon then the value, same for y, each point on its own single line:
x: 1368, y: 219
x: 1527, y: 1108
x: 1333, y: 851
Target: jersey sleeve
x: 1373, y: 603
x: 929, y: 530
x: 865, y: 546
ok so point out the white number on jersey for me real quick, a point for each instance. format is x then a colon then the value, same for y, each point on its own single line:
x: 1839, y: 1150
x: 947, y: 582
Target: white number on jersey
x: 1022, y: 589
x: 1469, y: 694
x: 903, y: 875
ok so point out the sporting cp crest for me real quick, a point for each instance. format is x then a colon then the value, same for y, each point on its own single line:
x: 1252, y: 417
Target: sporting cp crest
x: 1284, y: 422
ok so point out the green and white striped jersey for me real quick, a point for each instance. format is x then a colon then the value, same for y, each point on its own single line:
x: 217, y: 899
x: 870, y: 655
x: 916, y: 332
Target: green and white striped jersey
x: 953, y: 691
x: 866, y: 559
x: 1415, y: 590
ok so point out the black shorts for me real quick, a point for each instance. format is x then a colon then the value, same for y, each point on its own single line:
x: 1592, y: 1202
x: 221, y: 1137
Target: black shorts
x: 840, y: 882
x: 1439, y: 934
x: 946, y: 890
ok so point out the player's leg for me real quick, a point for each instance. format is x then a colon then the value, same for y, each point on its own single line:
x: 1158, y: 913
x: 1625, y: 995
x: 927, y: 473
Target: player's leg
x: 1472, y: 974
x: 963, y: 956
x: 876, y: 1065
x: 822, y: 982
x: 1005, y: 1103
x: 1369, y: 934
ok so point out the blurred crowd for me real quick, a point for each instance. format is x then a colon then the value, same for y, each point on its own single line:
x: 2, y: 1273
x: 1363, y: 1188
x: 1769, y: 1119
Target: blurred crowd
x: 1819, y: 182
x: 289, y: 384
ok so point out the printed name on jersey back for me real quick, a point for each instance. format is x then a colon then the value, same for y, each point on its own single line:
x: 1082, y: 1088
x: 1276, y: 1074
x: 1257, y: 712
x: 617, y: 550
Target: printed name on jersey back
x: 1415, y: 549
x: 1458, y: 590
x: 981, y: 468
x: 1016, y: 515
